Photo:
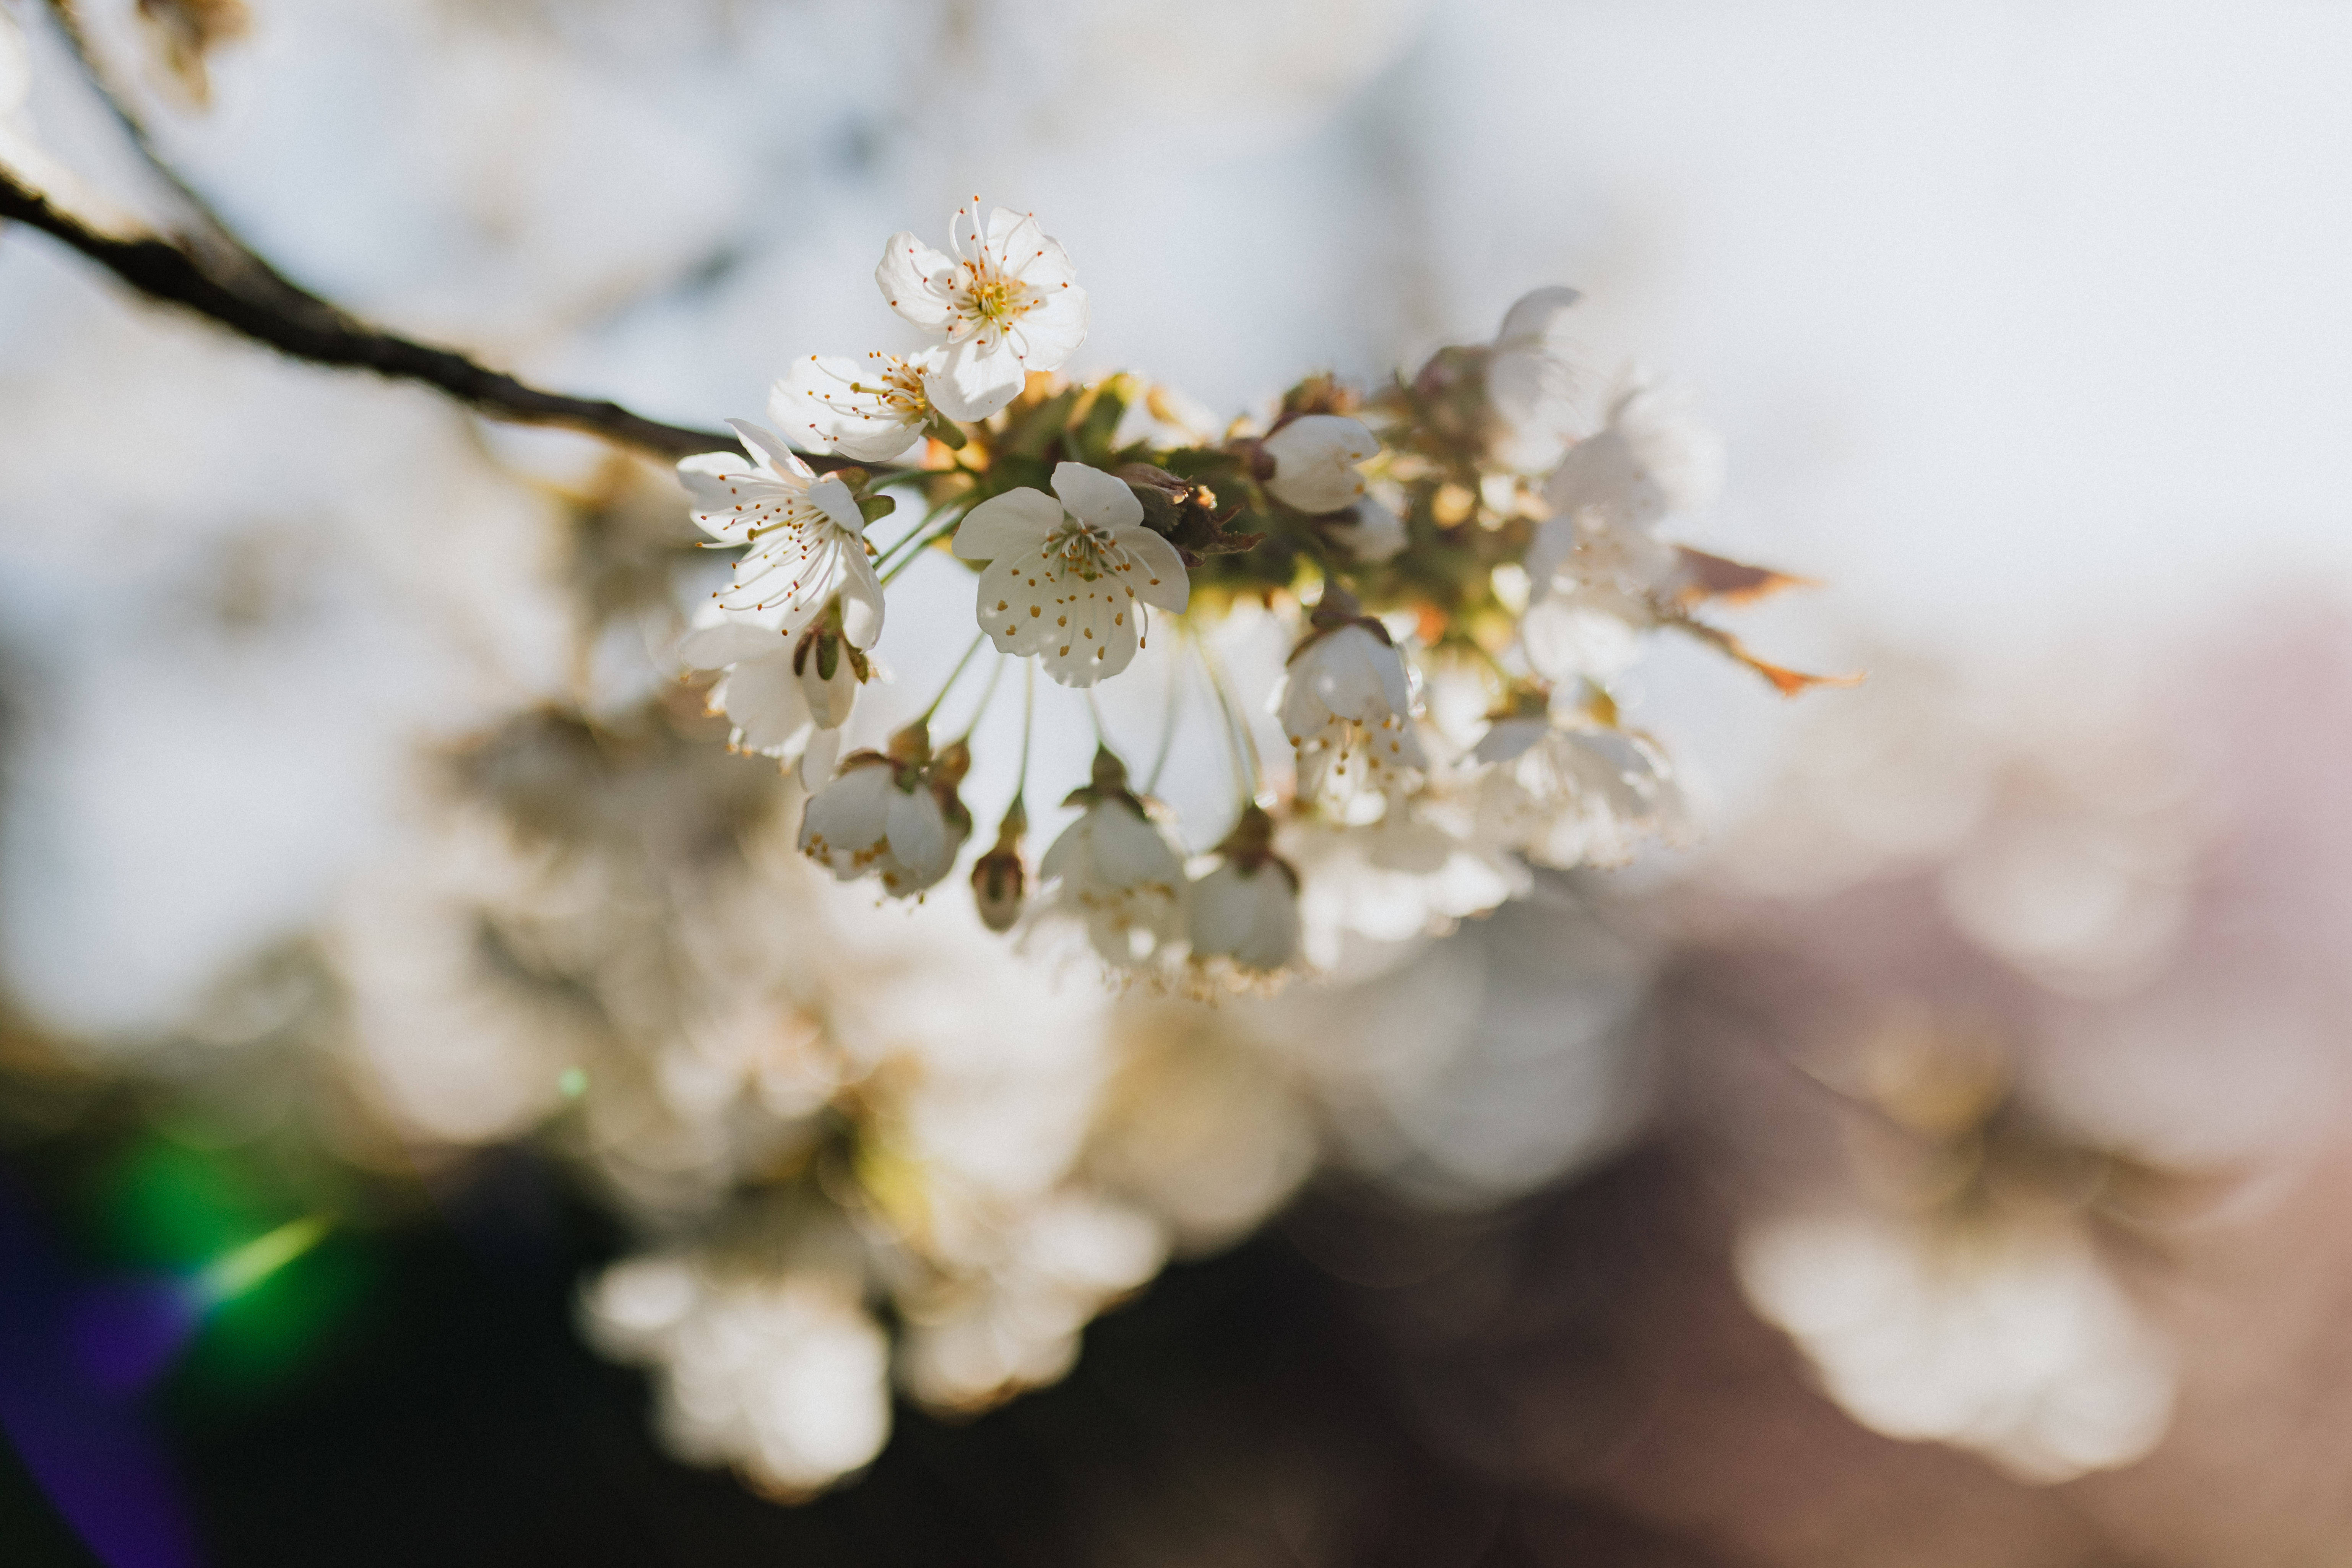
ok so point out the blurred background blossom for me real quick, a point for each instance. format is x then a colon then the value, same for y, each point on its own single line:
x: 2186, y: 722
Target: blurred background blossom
x: 1939, y: 1160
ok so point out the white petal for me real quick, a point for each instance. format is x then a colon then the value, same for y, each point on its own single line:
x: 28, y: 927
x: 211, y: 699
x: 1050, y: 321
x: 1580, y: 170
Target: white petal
x: 718, y: 639
x: 1015, y: 593
x: 1300, y: 707
x: 1348, y: 676
x: 1050, y: 331
x: 776, y: 452
x: 833, y: 498
x: 817, y: 761
x: 980, y: 375
x: 1095, y: 497
x: 1043, y: 265
x: 1164, y: 583
x: 1508, y: 738
x: 1009, y: 233
x: 861, y: 600
x: 1129, y: 852
x: 1093, y: 633
x: 1008, y: 524
x: 1377, y: 534
x: 844, y: 823
x: 916, y: 280
x: 763, y: 699
x: 829, y: 701
x: 1532, y: 320
x: 1315, y: 460
x: 919, y: 835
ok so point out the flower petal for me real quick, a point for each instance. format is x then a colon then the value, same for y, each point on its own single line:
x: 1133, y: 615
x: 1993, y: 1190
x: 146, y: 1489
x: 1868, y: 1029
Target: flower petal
x: 1015, y: 593
x: 1007, y: 525
x: 916, y: 280
x: 763, y: 699
x: 816, y: 763
x: 844, y: 823
x: 1532, y: 319
x: 1314, y: 458
x: 1162, y: 582
x: 980, y: 375
x: 717, y: 640
x: 1096, y: 498
x: 1050, y: 331
x: 861, y: 600
x: 1094, y: 631
x: 775, y: 452
x: 919, y: 835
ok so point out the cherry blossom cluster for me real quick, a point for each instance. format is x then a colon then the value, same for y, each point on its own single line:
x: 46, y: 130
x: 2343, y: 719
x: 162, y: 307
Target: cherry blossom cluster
x: 1464, y: 560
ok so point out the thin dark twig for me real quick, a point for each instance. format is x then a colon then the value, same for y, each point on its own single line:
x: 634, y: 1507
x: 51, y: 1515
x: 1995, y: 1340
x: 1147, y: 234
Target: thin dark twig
x: 300, y: 326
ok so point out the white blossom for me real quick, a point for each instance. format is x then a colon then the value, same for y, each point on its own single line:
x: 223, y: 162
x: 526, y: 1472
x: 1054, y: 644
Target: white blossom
x: 784, y: 1376
x: 1651, y: 457
x: 1013, y: 1321
x: 1246, y: 913
x: 1005, y: 303
x: 1114, y: 872
x: 1372, y: 534
x: 1581, y: 794
x: 1585, y: 631
x: 1314, y: 458
x: 876, y: 818
x: 2012, y: 1342
x: 869, y: 411
x: 1530, y: 385
x: 1346, y: 702
x: 775, y: 690
x: 1385, y: 885
x: 806, y: 537
x: 1068, y: 578
x: 1613, y: 489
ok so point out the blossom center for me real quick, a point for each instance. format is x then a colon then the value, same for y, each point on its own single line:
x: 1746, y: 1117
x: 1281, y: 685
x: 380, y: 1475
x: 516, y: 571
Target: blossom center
x: 992, y: 297
x: 1083, y: 551
x: 899, y: 389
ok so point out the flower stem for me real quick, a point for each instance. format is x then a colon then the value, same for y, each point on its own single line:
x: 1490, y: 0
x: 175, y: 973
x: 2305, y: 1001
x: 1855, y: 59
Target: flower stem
x: 1245, y: 775
x: 923, y: 539
x: 952, y: 675
x: 1028, y: 718
x: 1168, y: 720
x: 987, y: 695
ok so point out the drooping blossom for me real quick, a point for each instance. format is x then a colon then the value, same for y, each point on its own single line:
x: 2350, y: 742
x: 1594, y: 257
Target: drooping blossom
x: 806, y: 538
x: 895, y: 817
x: 1004, y: 303
x: 1530, y: 383
x: 1369, y: 892
x: 1114, y: 872
x: 868, y: 410
x: 1613, y: 489
x: 1574, y: 793
x: 787, y: 697
x: 1244, y: 912
x: 1068, y: 578
x: 1315, y: 462
x: 1347, y: 706
x: 1371, y: 532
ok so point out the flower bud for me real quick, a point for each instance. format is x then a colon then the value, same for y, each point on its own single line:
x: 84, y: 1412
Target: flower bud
x: 1314, y: 458
x: 999, y: 880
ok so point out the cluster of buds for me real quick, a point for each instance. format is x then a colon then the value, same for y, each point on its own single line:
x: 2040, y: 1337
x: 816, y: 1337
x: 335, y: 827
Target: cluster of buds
x: 1466, y: 559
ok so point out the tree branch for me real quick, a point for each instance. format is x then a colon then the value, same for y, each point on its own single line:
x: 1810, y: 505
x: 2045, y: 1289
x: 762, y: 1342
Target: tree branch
x: 299, y: 324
